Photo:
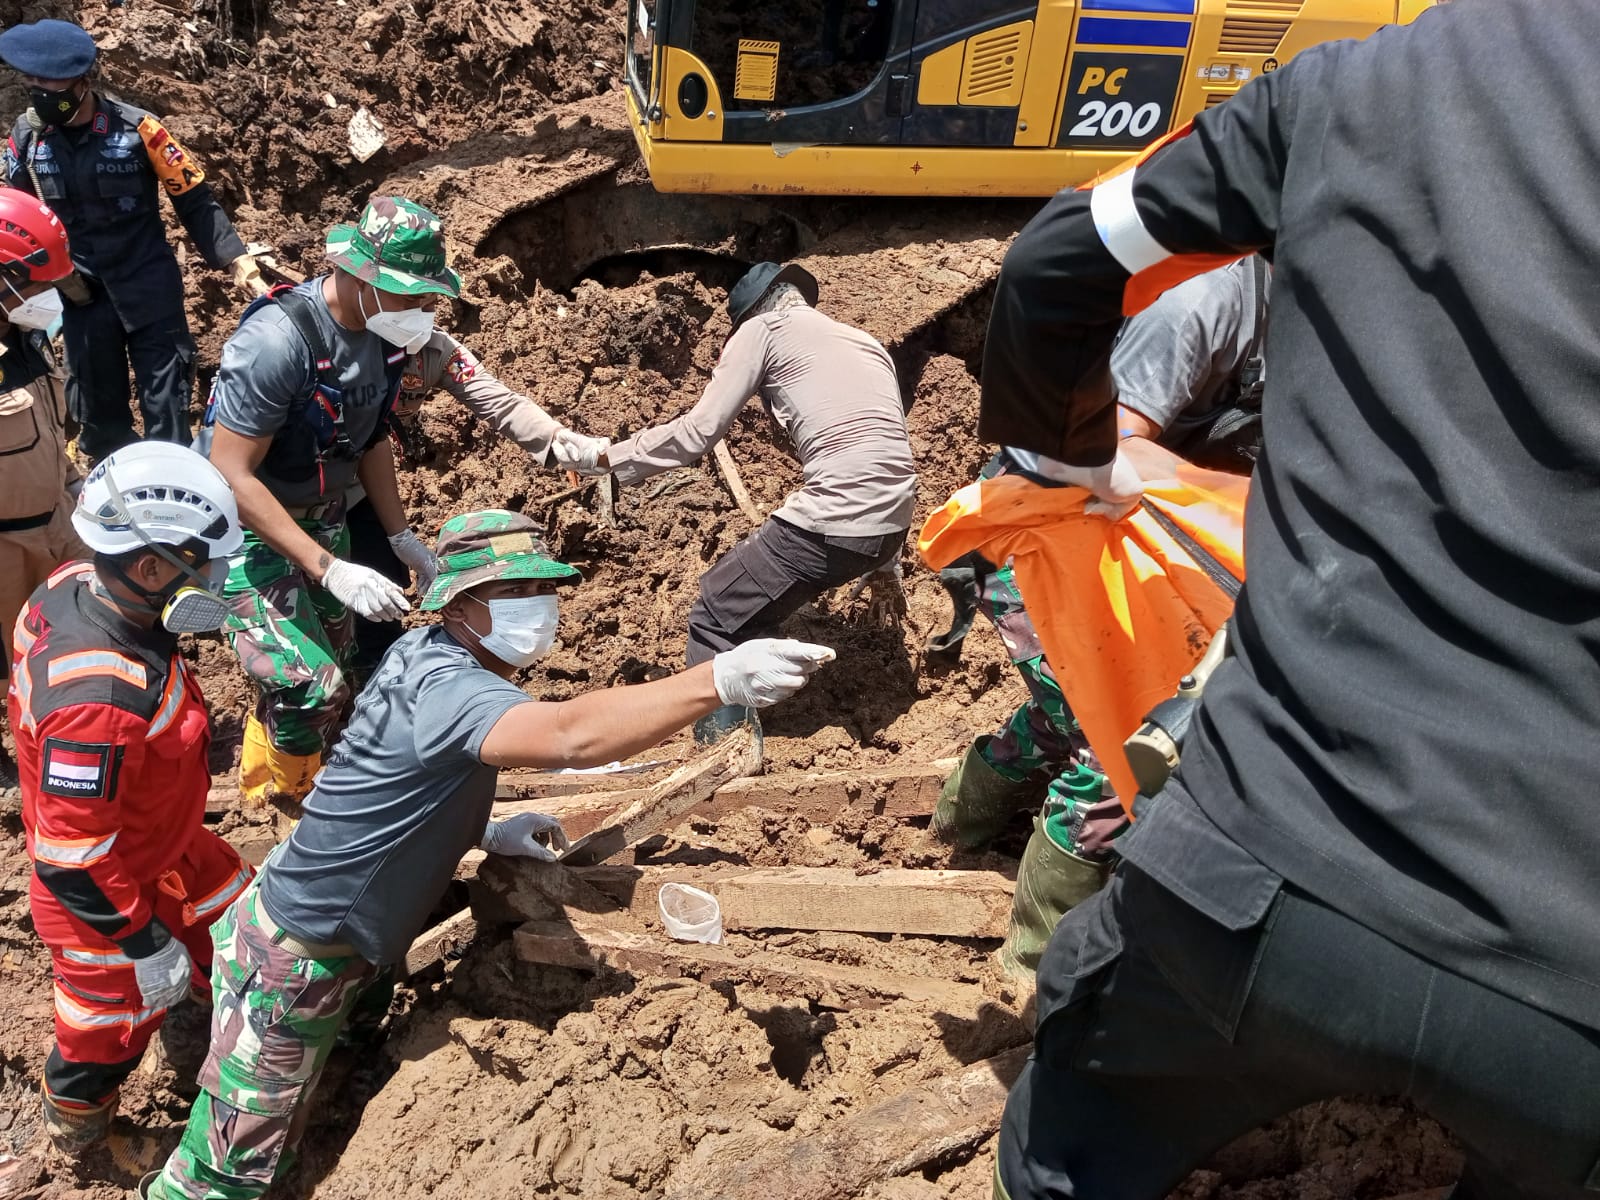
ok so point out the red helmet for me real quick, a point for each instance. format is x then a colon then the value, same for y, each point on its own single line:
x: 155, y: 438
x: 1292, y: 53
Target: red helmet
x: 33, y: 243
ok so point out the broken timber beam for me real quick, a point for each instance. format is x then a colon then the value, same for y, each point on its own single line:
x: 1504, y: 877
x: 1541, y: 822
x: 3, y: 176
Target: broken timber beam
x: 830, y: 985
x: 666, y: 803
x: 735, y: 482
x: 968, y: 904
x: 842, y: 1159
x: 441, y: 941
x: 819, y: 796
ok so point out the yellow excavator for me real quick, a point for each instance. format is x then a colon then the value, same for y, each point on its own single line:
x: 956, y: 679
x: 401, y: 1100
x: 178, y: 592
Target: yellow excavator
x: 944, y: 97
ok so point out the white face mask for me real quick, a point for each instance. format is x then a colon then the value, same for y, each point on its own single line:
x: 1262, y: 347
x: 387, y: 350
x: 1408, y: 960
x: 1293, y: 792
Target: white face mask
x: 36, y: 312
x: 521, y: 628
x: 407, y: 328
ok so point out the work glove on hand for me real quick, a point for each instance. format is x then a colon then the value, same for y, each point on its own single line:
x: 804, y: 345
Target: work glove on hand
x: 579, y: 452
x: 887, y: 605
x: 762, y: 672
x: 247, y: 276
x: 421, y: 562
x: 365, y: 591
x: 1116, y: 485
x: 518, y: 837
x: 163, y: 977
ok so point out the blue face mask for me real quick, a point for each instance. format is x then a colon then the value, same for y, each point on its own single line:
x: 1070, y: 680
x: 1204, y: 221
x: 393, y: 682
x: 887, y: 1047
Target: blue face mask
x: 522, y: 628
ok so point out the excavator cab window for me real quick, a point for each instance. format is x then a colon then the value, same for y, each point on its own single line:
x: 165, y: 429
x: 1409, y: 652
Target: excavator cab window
x: 641, y: 46
x: 786, y: 54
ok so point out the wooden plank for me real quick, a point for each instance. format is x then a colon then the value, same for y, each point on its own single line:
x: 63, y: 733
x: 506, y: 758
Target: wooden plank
x: 830, y: 985
x: 735, y: 482
x: 932, y: 903
x: 819, y: 796
x: 507, y: 890
x: 442, y: 940
x: 973, y: 904
x: 664, y: 804
x: 952, y: 1114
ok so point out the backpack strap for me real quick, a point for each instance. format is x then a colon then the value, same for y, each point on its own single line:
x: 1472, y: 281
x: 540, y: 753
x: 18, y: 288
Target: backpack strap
x: 394, y: 370
x: 1253, y: 374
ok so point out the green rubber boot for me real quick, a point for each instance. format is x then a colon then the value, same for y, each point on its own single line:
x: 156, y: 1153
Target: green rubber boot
x: 977, y: 802
x: 999, y: 1192
x: 1050, y: 880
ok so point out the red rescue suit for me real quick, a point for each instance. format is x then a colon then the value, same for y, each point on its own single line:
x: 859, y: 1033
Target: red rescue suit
x: 112, y: 736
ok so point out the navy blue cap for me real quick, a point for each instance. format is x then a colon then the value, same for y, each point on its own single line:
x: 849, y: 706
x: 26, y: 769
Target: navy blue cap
x: 48, y: 49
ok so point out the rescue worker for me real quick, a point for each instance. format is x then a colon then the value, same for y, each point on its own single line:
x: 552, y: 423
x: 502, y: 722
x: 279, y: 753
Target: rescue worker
x: 101, y: 164
x: 1374, y: 870
x: 442, y: 364
x: 833, y: 389
x: 112, y: 735
x: 1188, y: 373
x: 408, y: 790
x: 36, y: 533
x: 299, y: 413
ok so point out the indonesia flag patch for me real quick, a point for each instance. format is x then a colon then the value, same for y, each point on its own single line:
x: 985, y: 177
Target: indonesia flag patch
x: 79, y: 770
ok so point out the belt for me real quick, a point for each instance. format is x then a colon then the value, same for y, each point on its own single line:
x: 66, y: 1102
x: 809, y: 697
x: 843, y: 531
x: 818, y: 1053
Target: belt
x: 312, y: 512
x: 18, y: 524
x: 279, y: 936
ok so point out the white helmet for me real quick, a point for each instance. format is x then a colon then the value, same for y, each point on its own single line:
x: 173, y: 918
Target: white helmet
x: 172, y: 494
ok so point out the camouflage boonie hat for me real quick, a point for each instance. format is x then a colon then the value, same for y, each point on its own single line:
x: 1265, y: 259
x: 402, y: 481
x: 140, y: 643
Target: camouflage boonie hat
x: 397, y: 246
x: 481, y: 547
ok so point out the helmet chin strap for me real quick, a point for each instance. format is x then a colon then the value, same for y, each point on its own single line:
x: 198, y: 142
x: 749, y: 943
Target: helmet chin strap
x: 154, y: 602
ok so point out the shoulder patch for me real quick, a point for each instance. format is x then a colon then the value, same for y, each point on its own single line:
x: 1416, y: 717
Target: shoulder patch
x: 79, y: 770
x: 174, y: 166
x: 462, y: 366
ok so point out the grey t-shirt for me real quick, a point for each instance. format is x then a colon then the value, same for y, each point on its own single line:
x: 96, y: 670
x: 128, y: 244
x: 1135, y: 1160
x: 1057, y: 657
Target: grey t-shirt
x: 1180, y: 359
x: 403, y: 797
x: 266, y: 366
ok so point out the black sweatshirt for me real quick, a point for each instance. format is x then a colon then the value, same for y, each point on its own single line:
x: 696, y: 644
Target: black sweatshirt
x: 1411, y: 727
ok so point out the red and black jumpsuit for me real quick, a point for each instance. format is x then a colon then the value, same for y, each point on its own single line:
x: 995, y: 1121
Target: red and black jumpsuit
x: 112, y: 736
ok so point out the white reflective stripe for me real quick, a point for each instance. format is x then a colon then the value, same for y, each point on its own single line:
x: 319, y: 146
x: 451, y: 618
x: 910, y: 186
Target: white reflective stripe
x: 169, y: 706
x: 228, y: 894
x: 73, y: 1012
x: 1120, y: 226
x: 96, y: 958
x: 72, y: 854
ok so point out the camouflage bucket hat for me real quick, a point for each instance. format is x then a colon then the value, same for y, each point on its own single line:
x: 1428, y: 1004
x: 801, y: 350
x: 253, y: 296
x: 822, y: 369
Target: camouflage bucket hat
x: 397, y: 246
x: 482, y: 547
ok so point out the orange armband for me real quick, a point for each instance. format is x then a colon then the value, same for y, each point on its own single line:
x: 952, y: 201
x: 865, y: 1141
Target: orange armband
x: 174, y: 166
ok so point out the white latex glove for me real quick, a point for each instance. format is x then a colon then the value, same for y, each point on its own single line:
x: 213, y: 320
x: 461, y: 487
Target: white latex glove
x: 579, y: 452
x: 761, y: 673
x: 408, y: 548
x: 163, y: 977
x: 365, y: 591
x: 517, y: 836
x: 247, y: 276
x: 1116, y: 485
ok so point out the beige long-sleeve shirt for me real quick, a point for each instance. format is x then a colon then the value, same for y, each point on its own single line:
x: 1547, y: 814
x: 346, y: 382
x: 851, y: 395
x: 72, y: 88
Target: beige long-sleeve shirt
x: 833, y: 390
x: 445, y: 362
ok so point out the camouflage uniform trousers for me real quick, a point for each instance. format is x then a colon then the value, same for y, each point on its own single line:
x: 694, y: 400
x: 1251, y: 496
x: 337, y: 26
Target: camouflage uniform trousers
x: 293, y: 637
x: 1043, y: 736
x: 275, y: 1021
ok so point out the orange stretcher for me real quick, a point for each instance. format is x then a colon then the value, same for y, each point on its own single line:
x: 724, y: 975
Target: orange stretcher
x: 1123, y: 609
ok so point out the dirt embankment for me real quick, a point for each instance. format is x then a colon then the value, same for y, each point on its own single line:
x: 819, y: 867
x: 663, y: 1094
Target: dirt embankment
x: 604, y: 303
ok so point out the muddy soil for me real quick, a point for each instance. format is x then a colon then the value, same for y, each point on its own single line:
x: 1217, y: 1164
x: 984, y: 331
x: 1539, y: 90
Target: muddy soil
x: 604, y: 303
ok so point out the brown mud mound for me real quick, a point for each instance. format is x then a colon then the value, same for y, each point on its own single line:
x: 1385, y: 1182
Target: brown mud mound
x: 603, y: 301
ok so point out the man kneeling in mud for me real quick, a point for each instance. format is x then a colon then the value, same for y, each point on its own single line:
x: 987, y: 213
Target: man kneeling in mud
x: 407, y: 791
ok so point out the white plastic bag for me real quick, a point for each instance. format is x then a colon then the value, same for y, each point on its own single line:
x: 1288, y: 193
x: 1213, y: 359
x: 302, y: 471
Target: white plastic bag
x: 689, y: 914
